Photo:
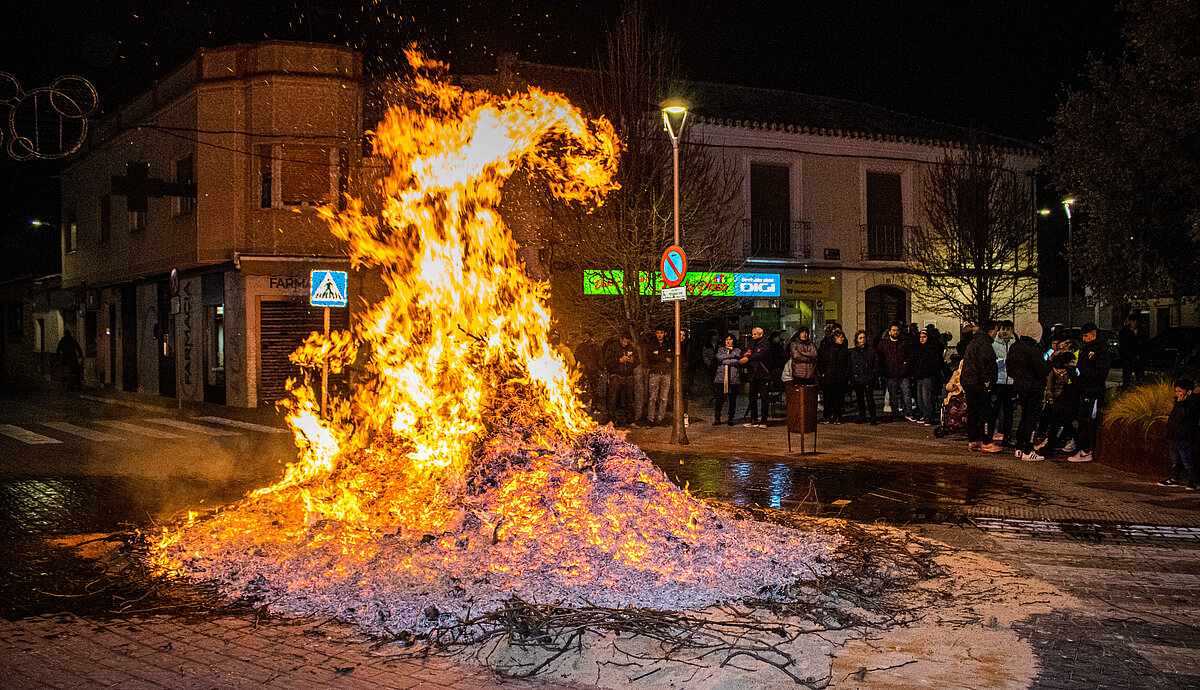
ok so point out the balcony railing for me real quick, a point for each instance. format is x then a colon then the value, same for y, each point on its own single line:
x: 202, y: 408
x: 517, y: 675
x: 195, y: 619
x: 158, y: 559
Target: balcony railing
x: 884, y: 242
x: 777, y: 239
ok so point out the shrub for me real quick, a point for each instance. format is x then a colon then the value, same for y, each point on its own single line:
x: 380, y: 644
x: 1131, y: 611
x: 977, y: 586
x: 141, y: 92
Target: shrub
x: 1142, y: 407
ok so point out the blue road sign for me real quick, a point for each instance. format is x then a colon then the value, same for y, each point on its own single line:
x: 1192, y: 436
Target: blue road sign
x: 327, y: 288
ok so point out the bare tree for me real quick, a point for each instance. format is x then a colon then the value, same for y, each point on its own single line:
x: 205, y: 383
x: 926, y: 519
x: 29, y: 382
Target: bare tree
x: 620, y: 242
x: 973, y: 255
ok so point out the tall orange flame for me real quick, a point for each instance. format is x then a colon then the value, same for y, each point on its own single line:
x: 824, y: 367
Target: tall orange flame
x: 461, y: 320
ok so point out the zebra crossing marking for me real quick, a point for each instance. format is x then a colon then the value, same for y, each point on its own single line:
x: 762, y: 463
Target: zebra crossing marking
x: 138, y: 429
x: 89, y: 434
x: 243, y: 425
x: 25, y: 435
x: 187, y: 426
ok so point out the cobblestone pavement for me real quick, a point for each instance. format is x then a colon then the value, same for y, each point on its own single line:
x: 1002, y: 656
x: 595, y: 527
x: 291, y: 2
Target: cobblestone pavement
x: 65, y: 651
x: 1127, y: 550
x: 1139, y: 621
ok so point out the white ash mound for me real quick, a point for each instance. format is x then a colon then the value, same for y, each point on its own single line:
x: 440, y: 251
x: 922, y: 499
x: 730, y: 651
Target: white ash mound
x: 588, y: 522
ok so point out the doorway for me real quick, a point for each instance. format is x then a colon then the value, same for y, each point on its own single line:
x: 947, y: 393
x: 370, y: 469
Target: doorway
x: 166, y: 342
x: 129, y: 358
x: 884, y: 304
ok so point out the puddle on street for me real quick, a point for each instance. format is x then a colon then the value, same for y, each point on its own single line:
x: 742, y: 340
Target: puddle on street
x: 45, y: 574
x: 899, y: 493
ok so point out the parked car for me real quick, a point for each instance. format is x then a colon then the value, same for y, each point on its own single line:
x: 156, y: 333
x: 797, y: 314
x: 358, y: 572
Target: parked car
x: 1174, y: 347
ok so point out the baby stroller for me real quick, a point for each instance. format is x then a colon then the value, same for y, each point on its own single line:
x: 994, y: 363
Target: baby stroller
x: 954, y: 416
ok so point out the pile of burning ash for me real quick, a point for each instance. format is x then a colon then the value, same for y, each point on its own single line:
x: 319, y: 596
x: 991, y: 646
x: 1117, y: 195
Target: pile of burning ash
x: 586, y: 523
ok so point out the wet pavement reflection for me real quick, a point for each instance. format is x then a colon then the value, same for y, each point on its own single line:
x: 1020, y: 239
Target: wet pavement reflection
x: 899, y: 493
x: 44, y: 520
x: 46, y: 574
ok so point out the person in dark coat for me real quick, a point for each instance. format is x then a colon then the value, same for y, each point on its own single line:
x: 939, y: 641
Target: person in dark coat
x: 833, y: 366
x: 803, y: 357
x: 1133, y: 347
x: 620, y: 359
x: 927, y: 370
x: 660, y: 360
x: 1094, y: 362
x: 587, y: 358
x: 864, y: 369
x: 895, y: 354
x: 757, y: 360
x: 1060, y: 402
x: 727, y: 379
x: 979, y: 373
x: 1028, y: 367
x: 1181, y: 432
x: 70, y: 362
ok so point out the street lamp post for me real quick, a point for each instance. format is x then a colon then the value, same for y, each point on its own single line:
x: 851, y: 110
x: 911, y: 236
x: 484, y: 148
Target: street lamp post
x: 674, y: 115
x: 1070, y: 265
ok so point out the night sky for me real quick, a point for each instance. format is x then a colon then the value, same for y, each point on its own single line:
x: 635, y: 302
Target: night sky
x: 1002, y: 65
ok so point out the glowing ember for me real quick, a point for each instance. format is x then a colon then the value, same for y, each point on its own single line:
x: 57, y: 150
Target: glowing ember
x: 464, y: 470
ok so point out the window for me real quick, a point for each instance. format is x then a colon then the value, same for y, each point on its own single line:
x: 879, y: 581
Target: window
x: 137, y: 221
x: 184, y: 173
x: 973, y: 210
x: 885, y: 217
x: 266, y: 174
x: 293, y: 175
x: 16, y: 319
x: 105, y: 218
x: 770, y: 210
x: 71, y: 233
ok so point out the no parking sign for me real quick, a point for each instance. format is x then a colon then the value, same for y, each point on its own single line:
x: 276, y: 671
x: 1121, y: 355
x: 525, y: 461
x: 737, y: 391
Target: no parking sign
x: 673, y: 266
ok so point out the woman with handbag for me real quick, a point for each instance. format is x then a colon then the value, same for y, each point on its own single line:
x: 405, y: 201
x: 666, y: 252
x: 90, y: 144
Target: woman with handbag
x: 727, y: 380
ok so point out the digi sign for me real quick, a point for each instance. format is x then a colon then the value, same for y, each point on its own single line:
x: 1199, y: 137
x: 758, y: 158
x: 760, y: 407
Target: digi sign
x: 756, y: 285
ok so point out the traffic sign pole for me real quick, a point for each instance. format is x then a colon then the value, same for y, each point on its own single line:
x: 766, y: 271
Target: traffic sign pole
x: 678, y: 431
x: 325, y: 369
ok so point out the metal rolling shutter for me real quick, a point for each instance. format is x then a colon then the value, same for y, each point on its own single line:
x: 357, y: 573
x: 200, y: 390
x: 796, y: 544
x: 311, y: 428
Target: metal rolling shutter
x: 283, y: 326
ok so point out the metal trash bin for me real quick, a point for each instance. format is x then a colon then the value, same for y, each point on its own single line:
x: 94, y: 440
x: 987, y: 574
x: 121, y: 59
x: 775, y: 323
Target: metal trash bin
x: 802, y: 414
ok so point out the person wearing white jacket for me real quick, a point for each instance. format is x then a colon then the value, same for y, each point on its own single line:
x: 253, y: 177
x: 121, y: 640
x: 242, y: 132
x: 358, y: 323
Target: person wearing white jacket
x: 1002, y: 393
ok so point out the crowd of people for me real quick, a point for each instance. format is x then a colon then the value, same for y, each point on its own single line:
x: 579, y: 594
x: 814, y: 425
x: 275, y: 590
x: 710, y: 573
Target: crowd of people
x: 1034, y: 395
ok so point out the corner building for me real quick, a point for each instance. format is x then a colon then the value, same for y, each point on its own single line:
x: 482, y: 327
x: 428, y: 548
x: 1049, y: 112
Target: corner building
x: 191, y: 226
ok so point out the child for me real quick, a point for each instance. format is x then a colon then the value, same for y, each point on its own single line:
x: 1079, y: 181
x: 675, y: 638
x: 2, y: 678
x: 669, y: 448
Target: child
x: 1059, y: 403
x: 1181, y: 436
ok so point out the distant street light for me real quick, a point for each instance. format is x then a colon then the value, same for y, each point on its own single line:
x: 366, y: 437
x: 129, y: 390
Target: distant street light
x: 674, y: 114
x: 67, y: 240
x: 1070, y: 264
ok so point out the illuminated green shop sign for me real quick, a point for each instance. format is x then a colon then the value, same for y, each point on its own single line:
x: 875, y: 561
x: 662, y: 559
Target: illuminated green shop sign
x: 699, y: 284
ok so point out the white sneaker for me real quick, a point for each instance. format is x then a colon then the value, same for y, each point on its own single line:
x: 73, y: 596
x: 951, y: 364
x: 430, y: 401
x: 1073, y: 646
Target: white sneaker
x: 1070, y: 447
x: 1020, y: 455
x: 1032, y: 456
x: 749, y: 425
x: 1081, y: 456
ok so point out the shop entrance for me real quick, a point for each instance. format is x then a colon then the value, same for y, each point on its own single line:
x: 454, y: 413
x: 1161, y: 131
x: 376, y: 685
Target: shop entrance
x: 884, y: 304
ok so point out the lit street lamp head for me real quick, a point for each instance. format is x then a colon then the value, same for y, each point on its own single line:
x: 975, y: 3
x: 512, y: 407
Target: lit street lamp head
x: 674, y: 114
x: 1067, y: 206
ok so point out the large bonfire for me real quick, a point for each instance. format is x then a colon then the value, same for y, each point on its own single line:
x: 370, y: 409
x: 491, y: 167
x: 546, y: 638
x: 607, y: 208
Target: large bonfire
x: 462, y: 471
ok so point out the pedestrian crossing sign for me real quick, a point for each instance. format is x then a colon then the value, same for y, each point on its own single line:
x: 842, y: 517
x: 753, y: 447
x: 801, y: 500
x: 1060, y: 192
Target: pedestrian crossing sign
x: 327, y: 288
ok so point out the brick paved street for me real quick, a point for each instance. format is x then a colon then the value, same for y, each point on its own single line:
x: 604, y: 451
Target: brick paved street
x: 1127, y: 550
